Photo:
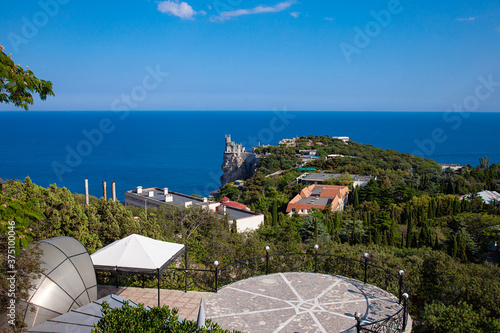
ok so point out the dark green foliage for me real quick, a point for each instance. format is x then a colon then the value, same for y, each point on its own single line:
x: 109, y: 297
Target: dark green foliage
x: 234, y: 227
x: 457, y: 318
x: 231, y: 191
x: 356, y: 197
x: 275, y: 214
x: 312, y: 229
x: 353, y: 232
x: 406, y: 220
x: 16, y: 218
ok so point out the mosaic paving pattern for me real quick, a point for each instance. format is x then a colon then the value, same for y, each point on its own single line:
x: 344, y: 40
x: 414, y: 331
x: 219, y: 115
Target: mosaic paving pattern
x: 298, y: 302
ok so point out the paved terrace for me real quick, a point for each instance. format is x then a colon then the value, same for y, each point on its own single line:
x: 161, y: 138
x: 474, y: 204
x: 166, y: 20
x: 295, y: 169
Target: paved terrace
x: 187, y: 303
x: 283, y: 302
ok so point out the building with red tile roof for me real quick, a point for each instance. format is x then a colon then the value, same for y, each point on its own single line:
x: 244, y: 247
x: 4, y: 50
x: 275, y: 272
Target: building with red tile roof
x: 318, y: 197
x: 226, y: 202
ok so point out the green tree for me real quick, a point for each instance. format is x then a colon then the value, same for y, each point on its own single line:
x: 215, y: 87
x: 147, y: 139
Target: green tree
x: 312, y: 229
x: 356, y: 197
x: 455, y: 318
x: 484, y: 163
x: 275, y: 213
x: 18, y: 85
x: 16, y: 217
x: 234, y: 227
x: 352, y: 231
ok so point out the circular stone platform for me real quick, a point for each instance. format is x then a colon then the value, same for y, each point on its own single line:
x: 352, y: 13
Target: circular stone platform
x: 298, y: 302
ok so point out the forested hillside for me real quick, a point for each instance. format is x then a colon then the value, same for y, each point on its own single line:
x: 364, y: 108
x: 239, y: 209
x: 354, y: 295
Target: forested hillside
x: 409, y: 218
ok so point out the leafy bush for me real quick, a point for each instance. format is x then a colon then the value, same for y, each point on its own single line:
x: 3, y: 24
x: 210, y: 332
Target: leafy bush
x: 138, y: 319
x: 457, y: 318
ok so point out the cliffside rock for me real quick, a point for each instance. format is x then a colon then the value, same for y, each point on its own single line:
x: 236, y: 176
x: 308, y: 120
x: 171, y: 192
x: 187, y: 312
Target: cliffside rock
x: 237, y: 163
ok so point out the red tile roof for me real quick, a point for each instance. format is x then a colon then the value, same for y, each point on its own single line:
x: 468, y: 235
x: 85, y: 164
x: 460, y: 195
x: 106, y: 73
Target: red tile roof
x: 334, y: 192
x: 226, y: 202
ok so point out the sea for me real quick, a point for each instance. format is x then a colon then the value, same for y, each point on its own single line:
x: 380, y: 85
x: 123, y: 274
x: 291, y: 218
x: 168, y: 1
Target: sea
x: 184, y: 150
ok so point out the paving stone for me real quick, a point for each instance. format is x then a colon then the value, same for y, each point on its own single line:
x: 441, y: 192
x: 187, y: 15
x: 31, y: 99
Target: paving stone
x: 284, y: 302
x: 298, y: 302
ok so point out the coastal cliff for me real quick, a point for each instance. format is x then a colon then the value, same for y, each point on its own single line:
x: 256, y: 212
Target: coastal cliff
x: 237, y: 163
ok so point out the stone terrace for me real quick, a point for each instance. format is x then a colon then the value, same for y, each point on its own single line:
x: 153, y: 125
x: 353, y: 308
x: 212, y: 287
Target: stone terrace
x: 283, y: 302
x: 187, y: 303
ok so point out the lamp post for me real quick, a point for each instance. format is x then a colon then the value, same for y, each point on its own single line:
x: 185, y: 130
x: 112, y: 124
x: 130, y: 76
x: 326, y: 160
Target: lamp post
x: 357, y: 316
x: 405, y: 310
x: 216, y: 264
x: 366, y: 255
x: 316, y: 247
x: 158, y: 276
x: 185, y: 268
x: 401, y: 274
x: 267, y: 259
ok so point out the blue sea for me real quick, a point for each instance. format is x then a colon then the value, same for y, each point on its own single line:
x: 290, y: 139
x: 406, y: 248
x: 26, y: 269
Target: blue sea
x: 183, y: 150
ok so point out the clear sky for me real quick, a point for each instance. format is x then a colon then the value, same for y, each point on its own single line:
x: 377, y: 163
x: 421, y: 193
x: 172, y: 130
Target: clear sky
x: 420, y: 55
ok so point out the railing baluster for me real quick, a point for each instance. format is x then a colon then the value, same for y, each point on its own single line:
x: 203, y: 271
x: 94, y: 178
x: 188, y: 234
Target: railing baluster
x: 299, y: 262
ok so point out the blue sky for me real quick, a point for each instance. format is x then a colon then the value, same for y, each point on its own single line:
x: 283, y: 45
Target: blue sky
x: 390, y: 55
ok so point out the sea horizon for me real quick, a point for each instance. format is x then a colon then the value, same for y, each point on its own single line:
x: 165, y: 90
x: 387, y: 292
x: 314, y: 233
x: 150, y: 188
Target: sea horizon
x: 183, y: 150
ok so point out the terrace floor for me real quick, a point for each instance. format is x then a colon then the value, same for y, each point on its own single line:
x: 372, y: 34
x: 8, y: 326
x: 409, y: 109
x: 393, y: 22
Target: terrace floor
x: 298, y: 302
x: 283, y: 302
x: 187, y: 303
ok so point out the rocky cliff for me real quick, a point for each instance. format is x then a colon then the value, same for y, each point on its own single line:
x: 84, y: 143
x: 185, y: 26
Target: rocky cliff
x: 237, y: 163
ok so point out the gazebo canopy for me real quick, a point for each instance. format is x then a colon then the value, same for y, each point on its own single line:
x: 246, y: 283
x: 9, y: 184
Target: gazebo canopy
x: 137, y: 254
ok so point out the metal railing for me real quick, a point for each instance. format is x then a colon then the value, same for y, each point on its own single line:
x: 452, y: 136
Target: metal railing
x: 212, y: 279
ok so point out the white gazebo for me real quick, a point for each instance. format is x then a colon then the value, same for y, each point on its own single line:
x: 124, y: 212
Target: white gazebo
x: 137, y: 254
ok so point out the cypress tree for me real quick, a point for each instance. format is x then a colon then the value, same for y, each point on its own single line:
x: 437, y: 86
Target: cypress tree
x: 392, y: 234
x: 333, y: 233
x: 414, y: 240
x: 461, y: 248
x: 281, y: 218
x: 315, y: 219
x: 431, y: 209
x: 275, y: 214
x: 338, y: 222
x: 409, y: 232
x: 378, y: 238
x: 356, y: 197
x: 384, y: 238
x: 454, y: 249
x: 234, y: 227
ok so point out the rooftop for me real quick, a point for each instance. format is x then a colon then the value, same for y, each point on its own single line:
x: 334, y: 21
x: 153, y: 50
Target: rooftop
x: 158, y: 194
x: 319, y: 196
x: 234, y: 209
x: 229, y: 203
x: 489, y: 197
x: 320, y: 177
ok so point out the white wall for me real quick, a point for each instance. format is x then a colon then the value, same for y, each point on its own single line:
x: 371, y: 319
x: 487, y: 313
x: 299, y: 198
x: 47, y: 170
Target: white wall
x: 249, y: 223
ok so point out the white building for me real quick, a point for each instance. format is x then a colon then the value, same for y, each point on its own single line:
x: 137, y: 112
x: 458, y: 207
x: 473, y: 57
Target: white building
x: 489, y: 197
x: 156, y: 197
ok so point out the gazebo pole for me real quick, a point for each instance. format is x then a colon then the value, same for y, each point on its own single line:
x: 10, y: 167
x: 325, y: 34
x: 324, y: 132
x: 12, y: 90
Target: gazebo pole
x: 186, y: 267
x: 158, y: 274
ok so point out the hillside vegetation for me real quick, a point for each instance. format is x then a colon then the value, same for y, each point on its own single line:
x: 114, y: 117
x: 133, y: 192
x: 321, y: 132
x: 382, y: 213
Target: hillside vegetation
x: 409, y: 218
